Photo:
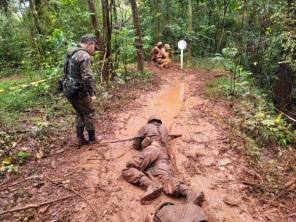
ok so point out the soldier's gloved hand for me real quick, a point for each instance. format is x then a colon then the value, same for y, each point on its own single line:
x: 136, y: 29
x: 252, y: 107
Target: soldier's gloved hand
x: 130, y: 164
x: 93, y: 99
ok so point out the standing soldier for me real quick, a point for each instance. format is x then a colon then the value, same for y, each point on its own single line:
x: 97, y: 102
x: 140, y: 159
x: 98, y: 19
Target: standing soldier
x: 79, y: 86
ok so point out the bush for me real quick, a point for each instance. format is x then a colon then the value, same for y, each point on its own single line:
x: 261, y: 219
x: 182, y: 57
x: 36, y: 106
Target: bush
x: 258, y: 116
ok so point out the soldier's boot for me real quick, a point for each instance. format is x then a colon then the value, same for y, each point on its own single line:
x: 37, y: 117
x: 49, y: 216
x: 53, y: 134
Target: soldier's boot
x: 153, y: 190
x: 192, y: 196
x: 80, y: 136
x: 92, y: 137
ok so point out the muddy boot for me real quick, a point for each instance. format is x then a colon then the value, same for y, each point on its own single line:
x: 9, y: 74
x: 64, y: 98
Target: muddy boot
x: 153, y: 190
x: 80, y: 137
x: 92, y: 137
x: 192, y: 196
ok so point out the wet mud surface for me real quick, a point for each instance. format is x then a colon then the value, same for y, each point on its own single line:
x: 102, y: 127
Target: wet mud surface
x: 206, y: 157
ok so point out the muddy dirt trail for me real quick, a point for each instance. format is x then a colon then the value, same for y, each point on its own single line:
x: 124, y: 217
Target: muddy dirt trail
x: 206, y: 157
x: 203, y: 157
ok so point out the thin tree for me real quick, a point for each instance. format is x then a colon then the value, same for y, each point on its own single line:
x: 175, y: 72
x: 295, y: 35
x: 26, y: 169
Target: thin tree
x: 35, y: 16
x: 95, y: 24
x: 107, y: 66
x: 138, y: 39
x: 189, y: 29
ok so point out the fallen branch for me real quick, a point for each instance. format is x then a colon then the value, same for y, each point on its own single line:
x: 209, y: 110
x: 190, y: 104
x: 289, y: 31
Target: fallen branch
x: 84, y: 199
x: 18, y: 182
x: 59, y: 183
x: 36, y: 205
x: 286, y: 115
x: 284, y: 190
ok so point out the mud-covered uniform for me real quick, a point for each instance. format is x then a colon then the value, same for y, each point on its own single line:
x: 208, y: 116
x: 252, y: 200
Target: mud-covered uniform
x: 79, y: 86
x: 154, y: 52
x: 164, y: 56
x: 168, y: 212
x: 152, y: 163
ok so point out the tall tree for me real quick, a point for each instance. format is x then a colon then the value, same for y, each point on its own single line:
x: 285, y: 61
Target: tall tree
x: 35, y: 16
x: 138, y: 39
x: 107, y: 66
x: 95, y: 24
x: 189, y: 29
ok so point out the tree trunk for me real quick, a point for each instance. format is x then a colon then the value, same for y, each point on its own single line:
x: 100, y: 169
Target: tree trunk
x: 116, y: 43
x: 222, y: 28
x: 189, y: 29
x: 35, y: 16
x: 157, y: 15
x: 94, y: 22
x: 107, y: 66
x: 138, y: 39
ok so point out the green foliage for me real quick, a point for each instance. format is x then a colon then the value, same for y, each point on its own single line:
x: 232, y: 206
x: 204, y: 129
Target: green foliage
x: 257, y: 115
x: 7, y: 165
x: 23, y: 156
x: 218, y: 87
x: 216, y: 63
x: 124, y: 76
x: 261, y: 123
x: 126, y: 49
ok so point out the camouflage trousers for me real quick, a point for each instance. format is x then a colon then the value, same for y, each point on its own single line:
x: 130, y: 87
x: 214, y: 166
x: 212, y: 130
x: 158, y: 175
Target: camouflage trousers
x: 153, y: 162
x: 85, y: 111
x: 168, y: 212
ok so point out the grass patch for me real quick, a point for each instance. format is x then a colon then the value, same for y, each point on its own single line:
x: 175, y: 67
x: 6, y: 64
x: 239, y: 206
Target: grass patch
x: 212, y: 63
x: 217, y: 87
x: 14, y: 103
x: 22, y: 92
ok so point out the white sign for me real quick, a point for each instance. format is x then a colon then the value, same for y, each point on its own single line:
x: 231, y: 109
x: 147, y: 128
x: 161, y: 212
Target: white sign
x: 182, y: 44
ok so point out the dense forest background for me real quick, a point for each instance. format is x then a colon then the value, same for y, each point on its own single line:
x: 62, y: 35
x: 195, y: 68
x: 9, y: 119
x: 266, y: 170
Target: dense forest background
x: 35, y: 34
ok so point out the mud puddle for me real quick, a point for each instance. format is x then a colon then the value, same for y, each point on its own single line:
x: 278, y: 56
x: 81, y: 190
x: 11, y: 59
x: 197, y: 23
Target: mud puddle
x: 166, y: 104
x: 104, y: 164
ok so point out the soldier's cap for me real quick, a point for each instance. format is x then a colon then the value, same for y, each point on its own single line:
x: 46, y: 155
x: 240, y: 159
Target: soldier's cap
x: 159, y: 44
x: 167, y: 46
x: 154, y: 117
x: 90, y: 37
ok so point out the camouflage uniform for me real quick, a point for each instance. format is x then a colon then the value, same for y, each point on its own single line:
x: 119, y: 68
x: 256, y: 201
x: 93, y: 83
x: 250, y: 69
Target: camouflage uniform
x: 78, y: 75
x: 165, y: 56
x: 152, y: 163
x: 155, y: 50
x: 168, y: 212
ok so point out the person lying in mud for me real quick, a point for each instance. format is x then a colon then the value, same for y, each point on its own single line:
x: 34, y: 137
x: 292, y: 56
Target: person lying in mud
x: 151, y: 168
x: 155, y: 51
x: 170, y: 212
x: 160, y: 54
x: 165, y: 54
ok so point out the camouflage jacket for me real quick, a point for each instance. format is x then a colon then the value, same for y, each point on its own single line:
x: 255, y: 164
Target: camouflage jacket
x: 77, y: 69
x: 151, y: 132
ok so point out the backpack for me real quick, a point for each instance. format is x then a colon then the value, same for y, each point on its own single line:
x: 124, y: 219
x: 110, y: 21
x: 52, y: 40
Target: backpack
x: 72, y: 88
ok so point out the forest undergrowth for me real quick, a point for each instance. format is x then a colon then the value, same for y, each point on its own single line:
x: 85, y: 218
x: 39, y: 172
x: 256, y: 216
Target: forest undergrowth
x: 270, y: 138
